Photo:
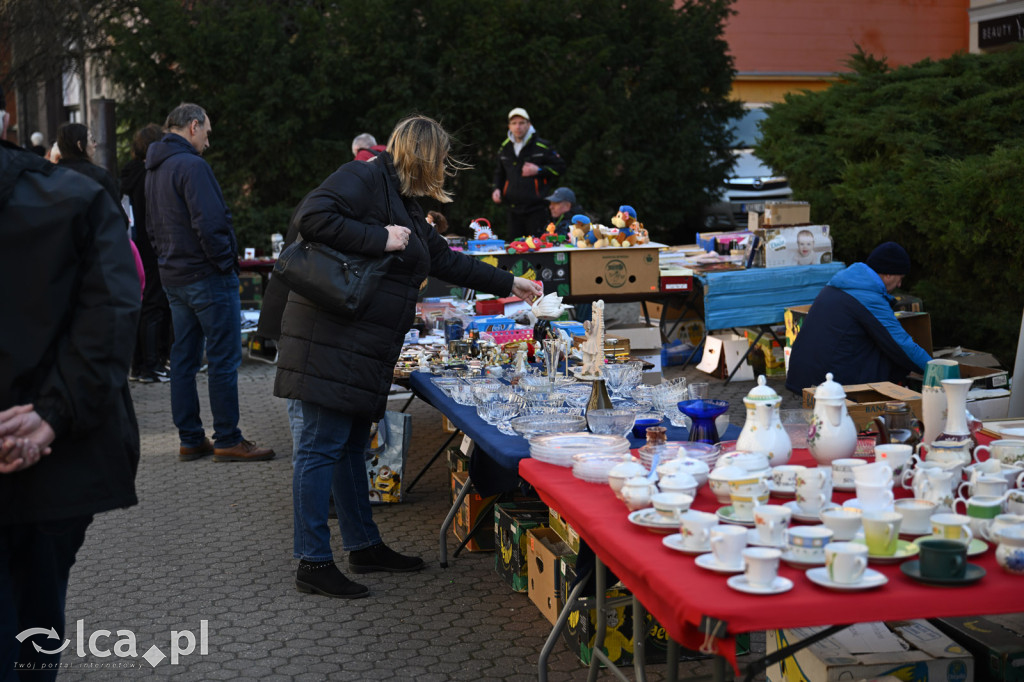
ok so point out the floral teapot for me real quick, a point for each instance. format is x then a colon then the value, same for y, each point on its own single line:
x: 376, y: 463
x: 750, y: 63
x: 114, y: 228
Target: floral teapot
x: 762, y: 431
x: 832, y: 434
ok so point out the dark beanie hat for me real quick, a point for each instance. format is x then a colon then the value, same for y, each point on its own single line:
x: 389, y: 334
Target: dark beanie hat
x: 889, y: 259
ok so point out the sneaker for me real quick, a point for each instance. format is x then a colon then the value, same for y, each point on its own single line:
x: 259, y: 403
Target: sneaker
x: 188, y: 454
x: 323, y: 577
x: 380, y: 557
x: 152, y: 377
x: 161, y: 375
x: 245, y: 451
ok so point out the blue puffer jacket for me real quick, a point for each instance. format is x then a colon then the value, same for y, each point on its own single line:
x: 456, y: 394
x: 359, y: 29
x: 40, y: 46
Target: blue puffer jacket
x: 851, y: 331
x: 189, y: 223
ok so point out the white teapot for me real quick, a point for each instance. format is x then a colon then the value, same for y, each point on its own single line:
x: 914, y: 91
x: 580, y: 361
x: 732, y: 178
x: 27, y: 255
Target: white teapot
x: 762, y: 431
x: 832, y: 434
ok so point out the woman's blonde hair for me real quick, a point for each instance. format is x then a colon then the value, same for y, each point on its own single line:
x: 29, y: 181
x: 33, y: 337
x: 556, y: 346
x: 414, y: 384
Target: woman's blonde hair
x: 420, y: 148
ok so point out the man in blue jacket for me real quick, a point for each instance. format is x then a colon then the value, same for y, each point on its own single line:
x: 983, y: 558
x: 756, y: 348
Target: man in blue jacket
x: 851, y: 330
x: 190, y: 227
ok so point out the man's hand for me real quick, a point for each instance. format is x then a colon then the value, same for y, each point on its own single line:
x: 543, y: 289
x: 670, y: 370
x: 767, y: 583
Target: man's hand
x: 526, y: 289
x: 496, y: 196
x: 17, y: 454
x: 398, y: 238
x: 26, y: 438
x: 530, y: 169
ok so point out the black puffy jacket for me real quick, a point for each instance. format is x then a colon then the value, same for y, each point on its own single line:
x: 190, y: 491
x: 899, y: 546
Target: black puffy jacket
x: 348, y: 365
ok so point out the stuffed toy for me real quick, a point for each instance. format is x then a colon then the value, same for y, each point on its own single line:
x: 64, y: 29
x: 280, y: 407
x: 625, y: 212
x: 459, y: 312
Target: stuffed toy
x: 631, y: 231
x: 578, y: 231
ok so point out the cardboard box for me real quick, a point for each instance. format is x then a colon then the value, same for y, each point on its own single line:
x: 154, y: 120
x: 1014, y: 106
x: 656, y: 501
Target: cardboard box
x: 644, y: 344
x: 610, y: 271
x: 804, y: 245
x: 552, y: 268
x: 794, y: 318
x: 779, y: 213
x: 905, y: 650
x: 511, y: 521
x: 506, y: 306
x: 996, y: 642
x: 723, y: 353
x: 565, y: 532
x: 469, y: 513
x: 989, y: 403
x: 545, y: 550
x: 768, y: 359
x: 457, y: 462
x: 864, y: 402
x: 250, y: 289
x: 966, y: 356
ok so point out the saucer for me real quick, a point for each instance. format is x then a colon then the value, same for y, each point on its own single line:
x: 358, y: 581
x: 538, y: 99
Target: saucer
x: 976, y: 547
x: 725, y: 514
x: 855, y: 503
x: 781, y: 490
x: 908, y: 533
x: 709, y: 562
x: 778, y: 586
x: 870, y: 579
x: 904, y: 550
x: 753, y: 539
x: 912, y: 569
x: 653, y: 521
x: 675, y: 541
x: 800, y: 515
x: 800, y: 562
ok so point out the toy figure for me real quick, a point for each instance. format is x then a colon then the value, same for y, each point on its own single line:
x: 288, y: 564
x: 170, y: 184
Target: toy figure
x: 631, y: 231
x: 578, y: 230
x: 387, y: 484
x: 482, y: 229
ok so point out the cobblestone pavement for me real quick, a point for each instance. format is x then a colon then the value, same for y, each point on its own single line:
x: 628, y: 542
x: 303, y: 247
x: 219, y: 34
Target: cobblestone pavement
x: 211, y: 544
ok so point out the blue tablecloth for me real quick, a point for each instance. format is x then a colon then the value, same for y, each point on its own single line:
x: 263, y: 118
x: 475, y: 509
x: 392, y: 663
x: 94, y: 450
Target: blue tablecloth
x: 494, y: 465
x: 738, y: 298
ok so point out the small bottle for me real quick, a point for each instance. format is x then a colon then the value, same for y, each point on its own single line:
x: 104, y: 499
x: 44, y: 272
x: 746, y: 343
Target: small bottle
x: 599, y: 398
x: 657, y: 444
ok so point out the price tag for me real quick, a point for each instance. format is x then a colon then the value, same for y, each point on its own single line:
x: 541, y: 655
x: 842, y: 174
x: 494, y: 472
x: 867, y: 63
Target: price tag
x: 467, y: 445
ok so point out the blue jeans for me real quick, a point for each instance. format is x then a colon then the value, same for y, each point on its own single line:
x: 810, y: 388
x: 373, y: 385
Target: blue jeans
x: 207, y: 311
x: 35, y: 561
x: 331, y: 458
x: 295, y: 424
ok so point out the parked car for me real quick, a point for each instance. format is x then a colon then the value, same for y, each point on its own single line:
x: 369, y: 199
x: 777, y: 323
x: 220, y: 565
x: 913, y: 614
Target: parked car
x: 751, y: 182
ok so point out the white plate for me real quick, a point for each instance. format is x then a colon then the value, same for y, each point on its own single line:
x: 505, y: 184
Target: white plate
x: 753, y: 538
x: 652, y: 520
x: 675, y: 541
x: 800, y: 562
x: 914, y: 533
x: 778, y: 586
x: 976, y: 547
x: 781, y: 490
x: 870, y: 579
x: 725, y: 515
x: 800, y: 515
x: 709, y: 562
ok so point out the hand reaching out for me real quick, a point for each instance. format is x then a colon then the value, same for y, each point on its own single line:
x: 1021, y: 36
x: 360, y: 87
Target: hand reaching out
x: 526, y: 289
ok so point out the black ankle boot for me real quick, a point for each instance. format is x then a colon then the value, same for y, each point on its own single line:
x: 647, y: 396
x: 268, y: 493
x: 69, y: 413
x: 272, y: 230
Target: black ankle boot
x: 382, y: 558
x: 323, y: 577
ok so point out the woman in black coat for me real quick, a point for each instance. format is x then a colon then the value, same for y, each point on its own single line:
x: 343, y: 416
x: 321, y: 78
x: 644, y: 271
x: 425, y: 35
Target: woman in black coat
x: 340, y: 371
x: 77, y: 145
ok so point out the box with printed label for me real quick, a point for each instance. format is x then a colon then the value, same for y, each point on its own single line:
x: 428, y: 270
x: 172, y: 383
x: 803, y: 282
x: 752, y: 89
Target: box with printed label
x: 511, y: 521
x: 550, y: 268
x: 996, y: 642
x: 899, y: 650
x: 864, y: 402
x: 803, y: 245
x: 566, y: 532
x: 544, y: 551
x: 468, y: 514
x: 608, y: 271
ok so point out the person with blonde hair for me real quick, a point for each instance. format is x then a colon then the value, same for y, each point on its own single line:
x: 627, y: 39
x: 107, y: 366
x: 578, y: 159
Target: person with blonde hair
x: 337, y: 371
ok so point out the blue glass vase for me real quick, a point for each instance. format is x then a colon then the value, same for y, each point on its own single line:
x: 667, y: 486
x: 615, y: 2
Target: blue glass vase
x: 703, y: 413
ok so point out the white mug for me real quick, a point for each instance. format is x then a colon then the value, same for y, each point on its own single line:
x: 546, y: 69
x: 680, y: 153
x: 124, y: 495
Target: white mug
x: 784, y: 475
x: 695, y: 527
x: 874, y: 497
x: 895, y: 455
x: 842, y: 471
x: 952, y: 527
x: 846, y: 562
x: 916, y: 515
x: 874, y: 473
x: 761, y: 565
x: 771, y: 521
x: 807, y: 543
x: 727, y: 544
x: 844, y: 522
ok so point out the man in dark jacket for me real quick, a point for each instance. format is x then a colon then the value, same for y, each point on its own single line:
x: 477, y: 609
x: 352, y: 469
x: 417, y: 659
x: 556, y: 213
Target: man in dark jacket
x: 562, y: 207
x: 190, y: 227
x: 69, y: 442
x: 527, y: 168
x: 851, y: 330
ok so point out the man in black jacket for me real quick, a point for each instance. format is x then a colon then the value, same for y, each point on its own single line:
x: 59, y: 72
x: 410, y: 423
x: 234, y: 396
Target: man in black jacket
x: 527, y: 168
x: 69, y: 441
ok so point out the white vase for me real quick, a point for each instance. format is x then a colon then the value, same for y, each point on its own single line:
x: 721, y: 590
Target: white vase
x: 956, y: 427
x: 933, y: 413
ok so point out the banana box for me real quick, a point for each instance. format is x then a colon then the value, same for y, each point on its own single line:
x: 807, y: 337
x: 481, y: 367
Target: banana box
x: 511, y: 521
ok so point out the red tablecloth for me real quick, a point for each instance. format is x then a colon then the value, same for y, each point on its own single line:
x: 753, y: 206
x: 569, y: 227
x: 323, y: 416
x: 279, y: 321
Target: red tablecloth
x: 678, y: 593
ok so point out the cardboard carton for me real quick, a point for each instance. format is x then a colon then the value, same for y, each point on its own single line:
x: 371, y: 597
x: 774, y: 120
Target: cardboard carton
x: 803, y: 245
x: 565, y: 532
x: 723, y: 353
x: 996, y: 642
x: 550, y: 268
x: 511, y: 521
x: 473, y: 505
x: 864, y: 402
x: 610, y: 271
x: 904, y: 650
x: 544, y: 555
x: 644, y: 344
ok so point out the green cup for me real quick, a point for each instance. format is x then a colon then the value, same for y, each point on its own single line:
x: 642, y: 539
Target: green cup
x: 881, y: 532
x: 937, y: 370
x: 942, y: 559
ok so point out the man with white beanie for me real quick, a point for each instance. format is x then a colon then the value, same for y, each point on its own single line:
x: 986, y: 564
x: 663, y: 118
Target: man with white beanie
x: 528, y: 167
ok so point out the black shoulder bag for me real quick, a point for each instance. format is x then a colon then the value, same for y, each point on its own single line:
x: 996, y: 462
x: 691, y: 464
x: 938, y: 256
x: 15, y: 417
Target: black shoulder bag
x: 339, y: 282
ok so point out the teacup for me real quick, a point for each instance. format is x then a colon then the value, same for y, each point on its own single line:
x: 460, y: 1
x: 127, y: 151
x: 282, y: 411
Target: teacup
x: 761, y: 565
x: 623, y: 471
x: 727, y: 544
x: 818, y: 477
x: 1005, y: 451
x: 881, y: 532
x: 807, y: 543
x: 844, y: 522
x: 845, y: 562
x: 1015, y: 502
x: 671, y: 505
x: 748, y: 485
x: 842, y: 471
x: 981, y: 510
x: 983, y: 486
x: 874, y: 497
x: 873, y: 473
x: 895, y: 455
x: 771, y: 521
x: 784, y: 475
x: 1010, y: 550
x: 718, y: 481
x: 637, y: 491
x: 916, y: 515
x: 1001, y: 522
x: 942, y: 559
x: 678, y: 483
x: 811, y: 500
x: 695, y: 527
x: 743, y: 505
x: 952, y: 527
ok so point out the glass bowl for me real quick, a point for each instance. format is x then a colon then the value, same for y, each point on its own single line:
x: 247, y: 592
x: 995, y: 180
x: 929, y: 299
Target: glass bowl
x: 594, y: 467
x: 535, y: 424
x: 613, y: 421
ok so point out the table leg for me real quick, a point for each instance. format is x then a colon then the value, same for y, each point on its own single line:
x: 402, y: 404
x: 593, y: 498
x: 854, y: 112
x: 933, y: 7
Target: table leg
x: 601, y: 606
x: 556, y: 630
x: 447, y: 523
x: 672, y: 661
x: 433, y: 459
x: 639, y: 639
